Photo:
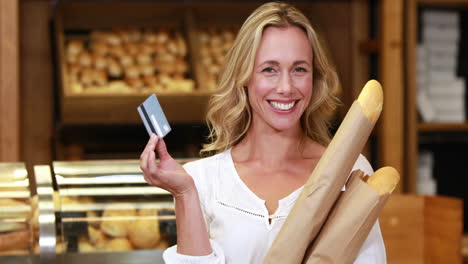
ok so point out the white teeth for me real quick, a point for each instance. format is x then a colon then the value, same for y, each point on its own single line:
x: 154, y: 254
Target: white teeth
x: 282, y: 106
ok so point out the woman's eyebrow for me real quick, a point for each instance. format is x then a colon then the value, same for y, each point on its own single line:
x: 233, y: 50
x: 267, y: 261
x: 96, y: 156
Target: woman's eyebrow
x: 301, y: 62
x: 271, y: 62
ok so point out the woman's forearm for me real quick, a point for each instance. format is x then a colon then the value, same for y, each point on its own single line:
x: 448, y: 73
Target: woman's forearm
x: 192, y: 236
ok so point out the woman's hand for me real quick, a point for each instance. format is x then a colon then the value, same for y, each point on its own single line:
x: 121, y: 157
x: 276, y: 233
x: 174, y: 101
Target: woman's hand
x: 168, y: 174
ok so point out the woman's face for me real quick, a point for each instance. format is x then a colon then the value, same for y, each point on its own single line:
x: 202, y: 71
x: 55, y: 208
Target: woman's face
x: 280, y: 88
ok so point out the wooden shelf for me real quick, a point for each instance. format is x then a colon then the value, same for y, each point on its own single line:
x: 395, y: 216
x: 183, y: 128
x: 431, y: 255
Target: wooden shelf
x: 427, y: 127
x: 118, y: 109
x: 444, y: 3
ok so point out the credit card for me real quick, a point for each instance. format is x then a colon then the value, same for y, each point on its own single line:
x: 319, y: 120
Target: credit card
x: 153, y: 117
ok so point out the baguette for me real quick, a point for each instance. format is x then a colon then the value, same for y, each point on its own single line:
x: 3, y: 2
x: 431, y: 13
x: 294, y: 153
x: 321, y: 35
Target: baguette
x: 384, y: 180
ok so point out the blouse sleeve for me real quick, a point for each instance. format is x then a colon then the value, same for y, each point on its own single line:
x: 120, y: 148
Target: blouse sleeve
x: 170, y: 255
x: 373, y: 249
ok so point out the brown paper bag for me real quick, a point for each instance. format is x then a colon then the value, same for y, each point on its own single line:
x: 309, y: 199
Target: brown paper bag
x: 348, y: 224
x: 321, y: 190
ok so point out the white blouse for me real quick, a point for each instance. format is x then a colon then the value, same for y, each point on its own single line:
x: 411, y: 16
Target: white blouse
x: 238, y: 221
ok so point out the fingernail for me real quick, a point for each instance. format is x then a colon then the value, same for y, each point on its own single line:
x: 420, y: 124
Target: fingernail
x: 153, y: 136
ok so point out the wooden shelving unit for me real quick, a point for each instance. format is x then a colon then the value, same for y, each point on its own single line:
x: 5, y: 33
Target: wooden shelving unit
x: 413, y: 125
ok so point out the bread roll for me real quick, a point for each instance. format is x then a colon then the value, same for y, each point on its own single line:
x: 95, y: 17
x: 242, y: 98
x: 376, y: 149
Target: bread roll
x: 147, y: 49
x: 181, y: 45
x: 119, y: 244
x: 113, y: 39
x: 228, y: 35
x: 162, y: 37
x: 147, y: 70
x: 96, y: 237
x: 119, y: 86
x: 162, y: 244
x: 114, y: 70
x: 71, y: 58
x: 164, y: 80
x: 15, y: 240
x: 135, y: 83
x: 203, y: 37
x: 85, y: 59
x: 100, y: 62
x: 98, y: 36
x: 126, y: 60
x: 76, y: 87
x: 132, y: 71
x: 74, y: 47
x: 117, y: 51
x: 144, y: 233
x: 60, y: 247
x: 150, y: 80
x: 85, y: 246
x: 150, y: 37
x: 134, y: 35
x: 172, y: 47
x: 132, y: 49
x: 86, y: 79
x: 100, y: 77
x: 144, y: 59
x: 117, y: 220
x: 181, y: 66
x: 99, y: 48
x: 12, y: 208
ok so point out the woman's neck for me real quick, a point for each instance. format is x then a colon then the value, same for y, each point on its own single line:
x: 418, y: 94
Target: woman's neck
x: 270, y: 146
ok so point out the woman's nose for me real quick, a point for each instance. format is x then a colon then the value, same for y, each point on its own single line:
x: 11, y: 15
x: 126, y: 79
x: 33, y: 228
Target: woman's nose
x: 284, y: 85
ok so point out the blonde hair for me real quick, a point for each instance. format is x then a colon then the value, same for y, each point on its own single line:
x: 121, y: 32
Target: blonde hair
x: 229, y: 115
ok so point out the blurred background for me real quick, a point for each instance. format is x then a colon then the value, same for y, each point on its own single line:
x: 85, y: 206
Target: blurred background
x: 72, y: 74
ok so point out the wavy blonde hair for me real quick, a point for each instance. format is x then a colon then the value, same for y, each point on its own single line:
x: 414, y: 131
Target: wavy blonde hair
x: 229, y: 115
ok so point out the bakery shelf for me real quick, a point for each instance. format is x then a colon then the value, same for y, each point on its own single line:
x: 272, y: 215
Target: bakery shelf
x: 139, y: 40
x: 115, y: 109
x: 442, y: 127
x: 444, y: 3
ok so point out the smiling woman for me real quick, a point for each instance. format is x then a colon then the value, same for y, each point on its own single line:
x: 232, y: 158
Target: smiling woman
x: 269, y: 128
x: 229, y: 114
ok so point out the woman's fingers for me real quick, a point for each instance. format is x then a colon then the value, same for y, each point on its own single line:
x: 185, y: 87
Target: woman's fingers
x: 148, y: 149
x: 151, y: 167
x: 150, y: 145
x: 162, y: 150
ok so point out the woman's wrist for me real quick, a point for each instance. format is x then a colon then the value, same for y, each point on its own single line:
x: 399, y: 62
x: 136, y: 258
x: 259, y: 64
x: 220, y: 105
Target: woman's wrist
x: 186, y: 193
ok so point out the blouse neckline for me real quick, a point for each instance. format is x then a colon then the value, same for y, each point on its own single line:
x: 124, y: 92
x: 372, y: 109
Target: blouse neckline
x: 282, y: 203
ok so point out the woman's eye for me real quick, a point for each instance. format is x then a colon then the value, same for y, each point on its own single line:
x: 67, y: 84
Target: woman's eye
x: 269, y: 70
x: 300, y: 69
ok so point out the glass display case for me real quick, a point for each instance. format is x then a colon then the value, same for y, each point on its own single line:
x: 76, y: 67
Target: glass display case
x: 18, y: 229
x: 106, y: 206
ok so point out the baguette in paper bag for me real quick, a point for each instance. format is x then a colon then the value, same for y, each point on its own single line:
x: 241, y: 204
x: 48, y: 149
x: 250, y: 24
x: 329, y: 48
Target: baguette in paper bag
x: 353, y: 217
x: 324, y: 184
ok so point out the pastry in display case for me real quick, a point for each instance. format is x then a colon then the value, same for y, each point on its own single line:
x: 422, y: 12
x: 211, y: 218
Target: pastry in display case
x: 18, y: 211
x: 127, y: 60
x: 106, y: 206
